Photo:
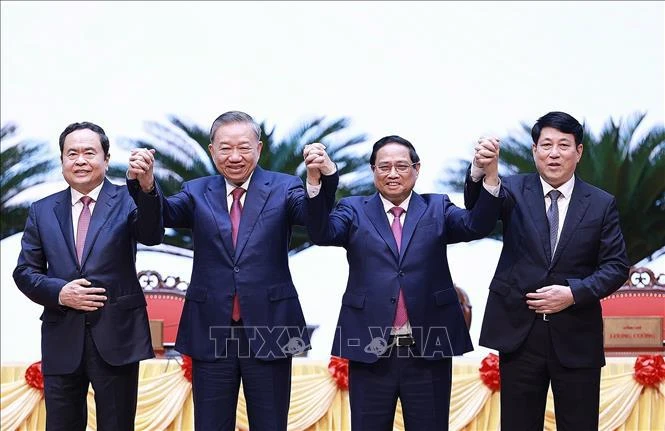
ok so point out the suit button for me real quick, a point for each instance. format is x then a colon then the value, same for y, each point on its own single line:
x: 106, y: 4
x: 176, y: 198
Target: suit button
x: 236, y: 269
x: 393, y: 299
x: 401, y: 274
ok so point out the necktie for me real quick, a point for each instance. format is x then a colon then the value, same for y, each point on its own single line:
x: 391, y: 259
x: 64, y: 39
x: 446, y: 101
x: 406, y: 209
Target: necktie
x: 82, y: 226
x: 553, y: 219
x: 401, y: 316
x: 236, y: 210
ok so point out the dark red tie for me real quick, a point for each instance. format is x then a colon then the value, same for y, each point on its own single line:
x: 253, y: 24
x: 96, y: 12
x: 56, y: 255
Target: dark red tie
x: 82, y: 226
x: 236, y: 210
x: 401, y: 316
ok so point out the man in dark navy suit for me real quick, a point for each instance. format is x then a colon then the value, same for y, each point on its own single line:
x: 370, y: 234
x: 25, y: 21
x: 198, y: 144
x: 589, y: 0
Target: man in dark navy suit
x: 563, y: 252
x: 77, y: 259
x: 242, y: 319
x: 400, y: 321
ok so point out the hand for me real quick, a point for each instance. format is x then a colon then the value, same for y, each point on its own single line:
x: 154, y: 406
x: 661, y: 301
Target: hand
x: 79, y: 295
x: 141, y: 163
x: 487, y: 158
x: 317, y: 162
x: 550, y: 299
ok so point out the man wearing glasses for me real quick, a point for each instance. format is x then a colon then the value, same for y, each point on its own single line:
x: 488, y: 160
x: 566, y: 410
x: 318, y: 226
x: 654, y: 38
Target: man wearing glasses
x: 400, y: 321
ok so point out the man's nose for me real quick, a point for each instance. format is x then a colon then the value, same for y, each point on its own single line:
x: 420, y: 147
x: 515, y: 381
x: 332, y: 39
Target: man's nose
x: 235, y: 154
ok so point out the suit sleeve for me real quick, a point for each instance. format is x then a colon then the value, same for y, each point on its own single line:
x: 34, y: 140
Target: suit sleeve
x: 297, y: 197
x: 325, y: 225
x: 472, y: 190
x: 30, y: 273
x: 146, y: 219
x: 613, y: 266
x: 176, y: 210
x: 469, y: 225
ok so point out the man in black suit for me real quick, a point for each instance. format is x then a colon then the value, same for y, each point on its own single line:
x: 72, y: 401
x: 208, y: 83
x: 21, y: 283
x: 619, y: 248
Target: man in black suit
x: 77, y: 260
x: 563, y: 251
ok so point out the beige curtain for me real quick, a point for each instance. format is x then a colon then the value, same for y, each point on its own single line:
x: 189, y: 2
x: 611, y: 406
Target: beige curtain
x: 165, y: 402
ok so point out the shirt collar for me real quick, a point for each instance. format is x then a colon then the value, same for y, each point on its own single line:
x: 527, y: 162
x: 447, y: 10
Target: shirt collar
x: 94, y: 194
x: 230, y: 186
x: 387, y: 205
x: 566, y: 188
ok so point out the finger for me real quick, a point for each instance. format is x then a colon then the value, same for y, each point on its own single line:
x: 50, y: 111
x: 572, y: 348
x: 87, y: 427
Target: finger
x: 544, y: 289
x: 97, y: 298
x: 536, y: 302
x: 93, y: 290
x: 81, y: 282
x: 96, y: 304
x: 139, y: 164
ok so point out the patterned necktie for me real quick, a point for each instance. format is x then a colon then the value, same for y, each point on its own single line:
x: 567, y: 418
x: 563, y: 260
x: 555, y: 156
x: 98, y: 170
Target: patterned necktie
x: 401, y: 316
x: 82, y: 226
x: 553, y: 219
x: 236, y: 210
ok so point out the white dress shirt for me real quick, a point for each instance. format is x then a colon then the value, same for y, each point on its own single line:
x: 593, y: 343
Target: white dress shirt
x: 230, y: 187
x: 77, y: 205
x: 566, y: 190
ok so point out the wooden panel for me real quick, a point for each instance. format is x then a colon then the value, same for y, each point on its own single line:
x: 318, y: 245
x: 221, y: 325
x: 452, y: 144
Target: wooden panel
x: 633, y: 332
x: 157, y: 334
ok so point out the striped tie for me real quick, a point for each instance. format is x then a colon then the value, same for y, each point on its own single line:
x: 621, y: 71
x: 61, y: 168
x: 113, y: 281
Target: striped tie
x: 82, y: 227
x: 553, y: 219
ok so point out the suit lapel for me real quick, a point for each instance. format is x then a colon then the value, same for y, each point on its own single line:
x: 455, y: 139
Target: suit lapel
x: 63, y: 213
x: 536, y: 203
x: 216, y: 197
x: 257, y: 196
x: 379, y: 218
x: 579, y: 202
x: 415, y: 211
x: 100, y: 216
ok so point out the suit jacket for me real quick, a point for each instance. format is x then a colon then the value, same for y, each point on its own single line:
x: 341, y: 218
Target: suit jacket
x: 377, y: 270
x: 590, y: 258
x: 48, y: 261
x: 257, y: 269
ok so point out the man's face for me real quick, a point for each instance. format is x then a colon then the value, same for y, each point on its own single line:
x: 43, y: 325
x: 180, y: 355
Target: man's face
x: 83, y: 161
x: 235, y: 149
x: 394, y: 175
x: 556, y: 156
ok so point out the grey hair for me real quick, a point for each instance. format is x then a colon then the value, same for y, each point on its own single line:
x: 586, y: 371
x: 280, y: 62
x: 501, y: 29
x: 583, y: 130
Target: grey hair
x: 234, y: 117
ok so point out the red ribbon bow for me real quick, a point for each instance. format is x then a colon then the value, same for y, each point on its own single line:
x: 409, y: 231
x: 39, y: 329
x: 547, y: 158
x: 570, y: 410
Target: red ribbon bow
x: 489, y: 372
x: 649, y: 370
x: 187, y: 367
x: 339, y: 369
x: 34, y: 376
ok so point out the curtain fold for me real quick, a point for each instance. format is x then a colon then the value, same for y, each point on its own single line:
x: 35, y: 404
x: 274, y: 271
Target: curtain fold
x: 317, y: 404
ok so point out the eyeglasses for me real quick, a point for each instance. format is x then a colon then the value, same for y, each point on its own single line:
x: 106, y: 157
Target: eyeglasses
x: 401, y: 168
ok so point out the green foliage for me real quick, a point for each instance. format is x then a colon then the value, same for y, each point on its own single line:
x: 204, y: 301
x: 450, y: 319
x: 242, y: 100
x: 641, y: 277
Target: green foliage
x: 24, y: 164
x: 629, y: 165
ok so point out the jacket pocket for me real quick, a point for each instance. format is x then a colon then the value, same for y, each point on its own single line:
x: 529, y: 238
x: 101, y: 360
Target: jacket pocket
x: 446, y: 296
x: 196, y: 294
x: 50, y: 316
x: 500, y: 288
x: 285, y: 291
x: 128, y: 302
x: 353, y: 300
